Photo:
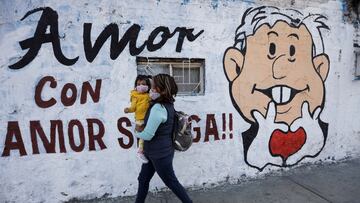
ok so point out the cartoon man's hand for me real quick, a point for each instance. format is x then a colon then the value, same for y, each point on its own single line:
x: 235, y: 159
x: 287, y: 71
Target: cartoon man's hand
x: 314, y: 135
x: 259, y: 153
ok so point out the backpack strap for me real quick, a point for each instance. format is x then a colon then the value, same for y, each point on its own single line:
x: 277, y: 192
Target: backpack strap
x: 175, y: 124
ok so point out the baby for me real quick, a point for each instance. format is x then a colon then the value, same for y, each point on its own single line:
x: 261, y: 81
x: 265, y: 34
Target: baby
x: 140, y: 101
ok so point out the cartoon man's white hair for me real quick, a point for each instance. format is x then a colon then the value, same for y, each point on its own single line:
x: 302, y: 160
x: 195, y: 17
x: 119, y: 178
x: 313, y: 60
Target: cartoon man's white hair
x: 253, y: 18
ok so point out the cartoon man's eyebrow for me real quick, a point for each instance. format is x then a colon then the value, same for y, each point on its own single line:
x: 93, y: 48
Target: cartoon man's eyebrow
x: 293, y: 35
x: 273, y: 32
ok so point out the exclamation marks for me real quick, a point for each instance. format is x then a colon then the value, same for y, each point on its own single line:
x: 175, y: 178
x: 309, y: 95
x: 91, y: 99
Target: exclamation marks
x: 231, y: 125
x: 224, y: 126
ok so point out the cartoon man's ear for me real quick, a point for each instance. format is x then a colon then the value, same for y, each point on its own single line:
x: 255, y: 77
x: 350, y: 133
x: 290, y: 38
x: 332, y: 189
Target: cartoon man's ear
x: 322, y: 65
x: 233, y: 63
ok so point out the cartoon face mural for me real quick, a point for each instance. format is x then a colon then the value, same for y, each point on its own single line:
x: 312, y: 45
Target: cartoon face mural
x: 276, y: 72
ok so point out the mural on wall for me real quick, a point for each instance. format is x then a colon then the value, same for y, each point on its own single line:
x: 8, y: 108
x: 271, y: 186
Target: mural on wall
x: 276, y: 71
x: 76, y: 135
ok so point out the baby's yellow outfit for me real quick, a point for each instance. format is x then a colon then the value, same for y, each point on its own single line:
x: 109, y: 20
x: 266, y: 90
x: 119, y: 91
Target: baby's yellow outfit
x: 140, y: 103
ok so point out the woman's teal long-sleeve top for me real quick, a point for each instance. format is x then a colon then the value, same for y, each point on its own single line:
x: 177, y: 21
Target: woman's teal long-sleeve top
x: 158, y: 115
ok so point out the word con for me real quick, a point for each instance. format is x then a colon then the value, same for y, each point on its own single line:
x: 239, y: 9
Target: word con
x: 66, y: 98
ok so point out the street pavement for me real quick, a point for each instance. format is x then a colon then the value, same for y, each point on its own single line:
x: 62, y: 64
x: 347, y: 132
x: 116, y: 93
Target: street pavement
x: 337, y: 182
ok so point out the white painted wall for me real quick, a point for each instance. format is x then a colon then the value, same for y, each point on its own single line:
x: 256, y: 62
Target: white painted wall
x: 59, y: 177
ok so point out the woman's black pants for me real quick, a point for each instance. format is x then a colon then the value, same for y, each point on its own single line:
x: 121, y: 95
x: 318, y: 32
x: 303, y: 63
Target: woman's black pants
x: 164, y: 168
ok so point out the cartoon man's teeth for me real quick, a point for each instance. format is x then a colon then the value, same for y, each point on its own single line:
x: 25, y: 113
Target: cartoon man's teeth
x: 280, y: 94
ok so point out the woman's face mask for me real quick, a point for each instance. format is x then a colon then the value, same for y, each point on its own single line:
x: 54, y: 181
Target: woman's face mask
x: 153, y: 94
x: 142, y: 88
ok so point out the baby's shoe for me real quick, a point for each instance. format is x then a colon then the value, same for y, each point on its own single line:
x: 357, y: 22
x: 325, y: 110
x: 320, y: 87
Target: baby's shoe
x: 142, y: 157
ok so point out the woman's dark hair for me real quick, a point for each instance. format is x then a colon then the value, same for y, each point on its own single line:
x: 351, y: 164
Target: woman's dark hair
x: 167, y: 86
x: 146, y: 78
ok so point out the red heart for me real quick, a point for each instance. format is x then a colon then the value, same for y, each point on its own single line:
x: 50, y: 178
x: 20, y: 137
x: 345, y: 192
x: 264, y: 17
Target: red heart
x: 285, y: 144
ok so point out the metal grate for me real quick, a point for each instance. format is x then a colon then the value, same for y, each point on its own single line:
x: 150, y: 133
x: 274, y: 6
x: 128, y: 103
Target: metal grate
x: 188, y: 73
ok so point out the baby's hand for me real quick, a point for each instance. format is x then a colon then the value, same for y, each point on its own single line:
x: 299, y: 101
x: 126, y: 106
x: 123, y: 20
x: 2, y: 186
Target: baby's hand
x: 139, y: 128
x: 126, y: 110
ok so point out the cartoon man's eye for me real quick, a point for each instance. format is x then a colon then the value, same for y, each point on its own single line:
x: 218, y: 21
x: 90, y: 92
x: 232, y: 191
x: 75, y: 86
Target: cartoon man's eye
x: 272, y: 49
x: 292, y: 50
x: 292, y: 53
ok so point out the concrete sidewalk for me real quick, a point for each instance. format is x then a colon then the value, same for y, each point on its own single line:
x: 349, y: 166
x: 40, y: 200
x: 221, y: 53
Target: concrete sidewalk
x: 327, y: 183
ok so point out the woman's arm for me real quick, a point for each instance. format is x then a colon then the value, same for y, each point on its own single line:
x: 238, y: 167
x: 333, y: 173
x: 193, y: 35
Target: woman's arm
x: 158, y: 115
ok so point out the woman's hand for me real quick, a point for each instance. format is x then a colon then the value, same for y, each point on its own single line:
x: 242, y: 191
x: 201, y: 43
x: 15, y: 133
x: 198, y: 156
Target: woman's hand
x: 126, y: 110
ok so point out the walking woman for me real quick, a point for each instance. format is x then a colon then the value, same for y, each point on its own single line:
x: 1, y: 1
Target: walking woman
x: 157, y: 136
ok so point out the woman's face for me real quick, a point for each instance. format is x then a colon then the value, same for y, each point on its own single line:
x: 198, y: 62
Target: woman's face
x: 154, y: 88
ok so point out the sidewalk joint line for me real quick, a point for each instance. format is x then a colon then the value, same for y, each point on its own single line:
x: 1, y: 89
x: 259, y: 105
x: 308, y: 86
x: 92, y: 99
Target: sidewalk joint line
x: 309, y: 189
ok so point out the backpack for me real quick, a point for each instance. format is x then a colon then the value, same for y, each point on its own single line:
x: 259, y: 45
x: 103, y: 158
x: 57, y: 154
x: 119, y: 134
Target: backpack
x: 182, y: 136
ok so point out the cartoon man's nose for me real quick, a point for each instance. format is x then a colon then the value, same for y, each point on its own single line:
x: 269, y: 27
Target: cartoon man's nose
x: 279, y: 67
